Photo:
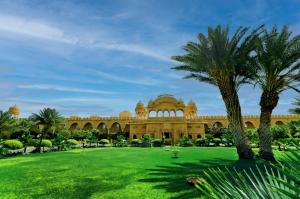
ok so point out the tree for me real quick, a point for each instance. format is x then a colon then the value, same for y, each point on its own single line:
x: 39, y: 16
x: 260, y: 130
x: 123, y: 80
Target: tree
x: 224, y: 62
x: 48, y: 119
x: 277, y: 69
x: 296, y: 110
x: 24, y: 127
x: 7, y: 122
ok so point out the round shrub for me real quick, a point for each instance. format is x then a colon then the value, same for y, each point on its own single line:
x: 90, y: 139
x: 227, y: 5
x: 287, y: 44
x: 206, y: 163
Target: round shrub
x: 72, y: 142
x: 186, y: 141
x: 157, y: 142
x: 46, y: 143
x: 103, y: 141
x: 12, y: 144
x: 33, y: 142
x: 135, y: 142
x: 200, y: 142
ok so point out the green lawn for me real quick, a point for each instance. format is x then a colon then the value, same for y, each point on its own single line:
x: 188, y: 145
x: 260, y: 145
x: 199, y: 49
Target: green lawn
x: 110, y: 172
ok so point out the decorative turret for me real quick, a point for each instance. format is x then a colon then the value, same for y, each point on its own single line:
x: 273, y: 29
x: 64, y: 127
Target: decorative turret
x: 14, y: 111
x: 74, y: 117
x: 191, y: 109
x: 95, y: 117
x: 125, y: 115
x: 140, y: 110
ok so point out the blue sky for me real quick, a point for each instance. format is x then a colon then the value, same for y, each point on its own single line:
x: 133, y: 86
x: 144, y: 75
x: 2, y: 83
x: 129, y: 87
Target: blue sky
x: 102, y: 57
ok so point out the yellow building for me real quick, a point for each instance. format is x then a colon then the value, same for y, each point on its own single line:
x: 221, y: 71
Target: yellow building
x: 166, y: 117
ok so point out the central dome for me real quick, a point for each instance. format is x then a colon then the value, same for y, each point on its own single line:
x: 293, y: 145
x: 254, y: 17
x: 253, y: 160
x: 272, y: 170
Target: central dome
x: 166, y: 102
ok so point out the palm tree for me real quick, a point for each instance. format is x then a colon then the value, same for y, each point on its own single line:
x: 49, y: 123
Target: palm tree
x: 296, y: 110
x: 24, y: 127
x: 48, y: 119
x: 222, y: 61
x: 278, y: 69
x: 7, y: 122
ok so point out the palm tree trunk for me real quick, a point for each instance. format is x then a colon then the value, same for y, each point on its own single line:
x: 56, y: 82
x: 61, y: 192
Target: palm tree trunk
x: 234, y: 116
x: 268, y: 102
x: 40, y: 144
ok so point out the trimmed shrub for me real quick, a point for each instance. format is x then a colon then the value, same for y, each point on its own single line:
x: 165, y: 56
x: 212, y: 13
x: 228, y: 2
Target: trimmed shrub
x: 103, y: 142
x: 120, y: 142
x: 167, y: 142
x: 200, y: 142
x: 280, y: 132
x: 72, y: 142
x: 186, y: 141
x: 135, y: 142
x: 13, y: 144
x: 46, y: 143
x: 157, y: 142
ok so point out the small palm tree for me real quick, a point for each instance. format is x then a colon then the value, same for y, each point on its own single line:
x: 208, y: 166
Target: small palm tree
x: 48, y: 119
x: 278, y: 69
x: 7, y: 122
x: 24, y: 127
x: 296, y: 110
x: 223, y: 61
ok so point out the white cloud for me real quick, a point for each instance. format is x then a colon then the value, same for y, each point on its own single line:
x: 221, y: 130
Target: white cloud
x: 141, y: 81
x: 62, y: 88
x: 42, y: 30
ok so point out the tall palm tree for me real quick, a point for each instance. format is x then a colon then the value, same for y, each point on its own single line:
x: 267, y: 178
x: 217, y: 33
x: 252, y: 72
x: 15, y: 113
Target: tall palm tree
x: 223, y: 61
x: 7, y: 122
x: 296, y: 110
x: 278, y: 69
x: 48, y: 119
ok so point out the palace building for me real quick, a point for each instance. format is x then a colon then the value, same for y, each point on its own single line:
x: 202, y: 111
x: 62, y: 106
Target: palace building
x: 165, y: 116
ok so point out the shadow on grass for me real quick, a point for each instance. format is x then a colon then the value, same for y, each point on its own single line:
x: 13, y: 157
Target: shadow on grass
x: 173, y: 178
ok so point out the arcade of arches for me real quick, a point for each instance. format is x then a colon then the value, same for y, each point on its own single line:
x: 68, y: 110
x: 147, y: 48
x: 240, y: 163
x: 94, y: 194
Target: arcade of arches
x: 166, y: 117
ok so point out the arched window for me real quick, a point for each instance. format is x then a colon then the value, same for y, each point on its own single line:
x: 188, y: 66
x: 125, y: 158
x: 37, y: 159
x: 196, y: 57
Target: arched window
x: 166, y: 113
x: 279, y: 123
x: 134, y: 136
x: 199, y: 136
x: 159, y: 114
x: 217, y: 125
x: 249, y: 125
x: 179, y: 113
x: 74, y: 126
x: 88, y: 126
x: 115, y: 128
x: 152, y: 114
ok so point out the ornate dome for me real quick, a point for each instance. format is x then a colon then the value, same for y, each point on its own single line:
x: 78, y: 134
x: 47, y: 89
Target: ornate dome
x: 192, y: 104
x: 125, y: 114
x: 166, y: 102
x: 14, y: 110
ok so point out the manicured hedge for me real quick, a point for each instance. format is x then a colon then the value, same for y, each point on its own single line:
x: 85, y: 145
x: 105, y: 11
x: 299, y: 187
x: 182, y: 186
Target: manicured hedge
x: 13, y: 144
x: 135, y: 142
x: 200, y: 142
x: 157, y: 143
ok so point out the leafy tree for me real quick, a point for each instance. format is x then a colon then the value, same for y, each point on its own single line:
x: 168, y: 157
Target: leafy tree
x: 48, y: 119
x: 280, y: 132
x: 24, y: 127
x: 223, y: 61
x: 296, y: 110
x: 91, y: 138
x: 277, y: 68
x: 61, y: 138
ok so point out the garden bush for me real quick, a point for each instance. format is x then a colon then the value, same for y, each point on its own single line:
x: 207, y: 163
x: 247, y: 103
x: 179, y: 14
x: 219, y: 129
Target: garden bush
x: 200, y: 142
x: 185, y: 141
x: 217, y: 141
x: 135, y: 142
x: 146, y: 141
x: 12, y: 144
x: 157, y: 142
x: 46, y: 143
x: 72, y: 142
x: 120, y: 142
x: 33, y: 142
x: 280, y: 132
x: 103, y: 142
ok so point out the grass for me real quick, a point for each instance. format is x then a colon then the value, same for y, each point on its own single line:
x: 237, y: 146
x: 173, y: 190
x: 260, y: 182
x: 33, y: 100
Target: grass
x: 111, y: 172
